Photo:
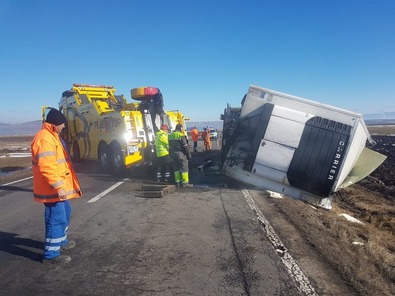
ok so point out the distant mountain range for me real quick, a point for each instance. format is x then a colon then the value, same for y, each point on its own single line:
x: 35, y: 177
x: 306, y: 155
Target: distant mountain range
x: 384, y: 115
x: 32, y: 127
x: 26, y: 128
x: 380, y: 121
x: 201, y: 124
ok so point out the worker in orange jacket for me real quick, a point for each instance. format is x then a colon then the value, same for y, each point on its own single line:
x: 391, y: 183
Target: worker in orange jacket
x: 54, y: 184
x: 195, y: 138
x: 206, y: 139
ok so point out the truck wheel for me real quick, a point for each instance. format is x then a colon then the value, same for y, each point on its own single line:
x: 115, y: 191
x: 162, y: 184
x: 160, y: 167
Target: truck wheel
x: 117, y: 159
x: 76, y: 157
x: 104, y: 158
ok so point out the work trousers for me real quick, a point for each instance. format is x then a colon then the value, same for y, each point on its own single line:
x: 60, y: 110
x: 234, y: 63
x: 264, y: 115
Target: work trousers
x: 163, y: 172
x: 57, y: 218
x: 207, y: 145
x: 180, y: 166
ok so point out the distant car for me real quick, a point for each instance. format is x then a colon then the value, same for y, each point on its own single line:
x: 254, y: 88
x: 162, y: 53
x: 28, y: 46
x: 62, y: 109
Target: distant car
x: 213, y: 133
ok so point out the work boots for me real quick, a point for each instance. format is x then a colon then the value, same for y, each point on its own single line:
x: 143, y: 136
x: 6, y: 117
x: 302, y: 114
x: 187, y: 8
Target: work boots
x: 61, y: 259
x: 71, y: 244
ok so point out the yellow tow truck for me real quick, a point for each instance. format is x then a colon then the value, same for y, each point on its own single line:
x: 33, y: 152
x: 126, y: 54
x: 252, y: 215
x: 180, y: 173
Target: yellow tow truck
x: 105, y: 127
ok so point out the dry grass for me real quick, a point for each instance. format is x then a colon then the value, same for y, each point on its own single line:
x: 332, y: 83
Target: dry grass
x: 381, y: 129
x: 15, y: 143
x: 11, y: 145
x: 12, y: 168
x: 367, y: 266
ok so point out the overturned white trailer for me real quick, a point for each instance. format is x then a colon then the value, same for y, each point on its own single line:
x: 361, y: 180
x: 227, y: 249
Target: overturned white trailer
x: 297, y: 147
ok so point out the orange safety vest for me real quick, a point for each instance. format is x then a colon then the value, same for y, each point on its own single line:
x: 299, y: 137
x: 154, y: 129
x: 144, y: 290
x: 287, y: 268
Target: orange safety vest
x: 52, y: 169
x: 195, y: 135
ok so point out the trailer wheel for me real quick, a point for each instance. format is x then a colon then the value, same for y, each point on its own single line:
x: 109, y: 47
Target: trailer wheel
x: 104, y: 158
x: 117, y: 161
x: 76, y: 152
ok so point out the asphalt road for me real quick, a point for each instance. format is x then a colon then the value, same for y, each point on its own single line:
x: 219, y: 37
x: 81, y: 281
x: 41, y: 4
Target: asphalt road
x: 205, y: 240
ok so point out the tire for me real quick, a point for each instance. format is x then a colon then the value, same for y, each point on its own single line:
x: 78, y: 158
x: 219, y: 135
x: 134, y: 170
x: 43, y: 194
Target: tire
x: 104, y: 157
x: 76, y: 156
x: 117, y: 159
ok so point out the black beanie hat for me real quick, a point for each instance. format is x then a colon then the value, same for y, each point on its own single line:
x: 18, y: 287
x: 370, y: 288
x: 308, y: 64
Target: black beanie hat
x: 55, y: 117
x: 178, y: 127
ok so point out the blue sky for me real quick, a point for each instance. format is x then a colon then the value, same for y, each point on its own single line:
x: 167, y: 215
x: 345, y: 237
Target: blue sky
x: 201, y: 54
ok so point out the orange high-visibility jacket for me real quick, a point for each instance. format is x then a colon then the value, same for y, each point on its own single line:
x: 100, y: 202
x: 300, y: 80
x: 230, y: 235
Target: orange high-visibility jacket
x: 206, y: 136
x: 52, y: 169
x: 195, y: 135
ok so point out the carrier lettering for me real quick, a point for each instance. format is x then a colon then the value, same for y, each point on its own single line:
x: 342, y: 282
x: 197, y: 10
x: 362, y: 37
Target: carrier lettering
x: 336, y: 160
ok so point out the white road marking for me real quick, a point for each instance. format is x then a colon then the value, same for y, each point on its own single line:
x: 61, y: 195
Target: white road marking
x: 17, y: 154
x: 94, y: 199
x: 293, y: 269
x: 17, y: 181
x: 100, y: 195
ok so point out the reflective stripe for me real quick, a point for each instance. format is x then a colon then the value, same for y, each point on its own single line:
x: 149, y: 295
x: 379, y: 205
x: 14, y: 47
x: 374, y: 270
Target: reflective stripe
x: 54, y: 248
x: 57, y: 184
x: 55, y: 240
x: 47, y: 153
x: 63, y: 160
x: 51, y: 196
